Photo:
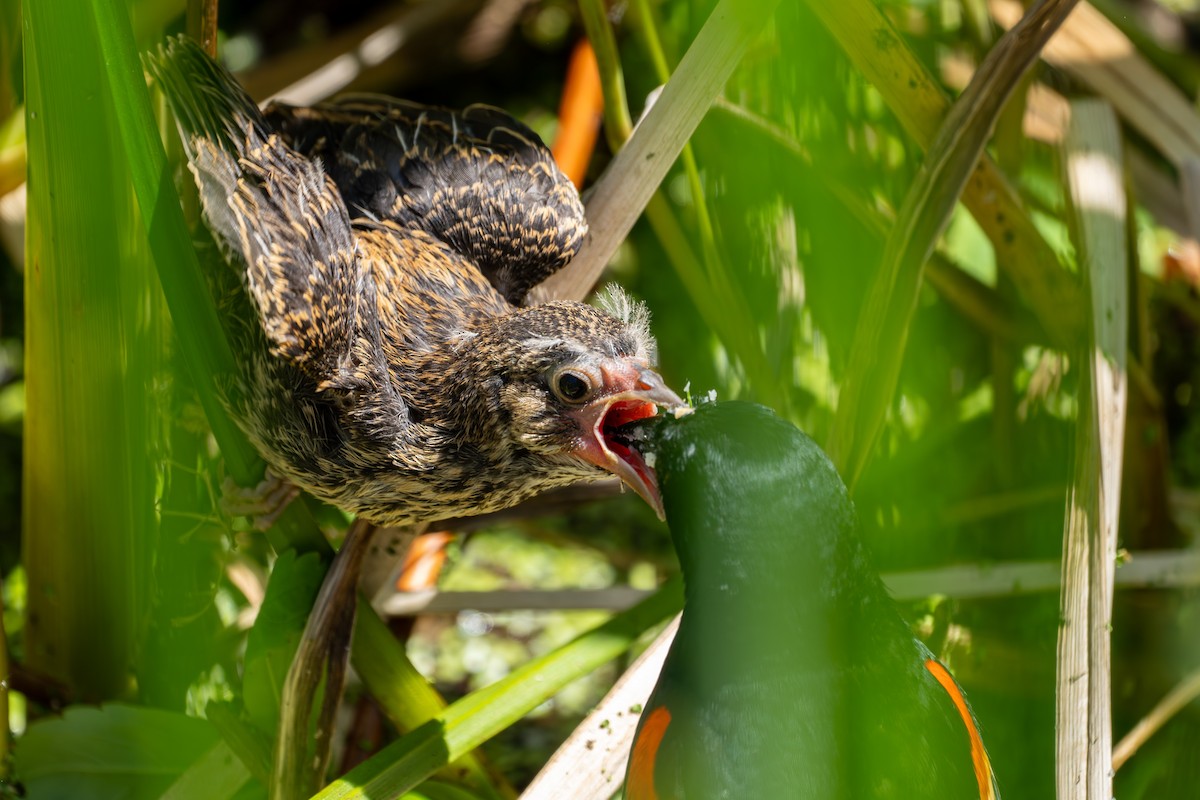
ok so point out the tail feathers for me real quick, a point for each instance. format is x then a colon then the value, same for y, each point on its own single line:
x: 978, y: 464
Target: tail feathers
x: 207, y: 102
x: 278, y: 219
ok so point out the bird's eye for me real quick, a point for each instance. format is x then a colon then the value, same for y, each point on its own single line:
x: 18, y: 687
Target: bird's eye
x: 572, y: 386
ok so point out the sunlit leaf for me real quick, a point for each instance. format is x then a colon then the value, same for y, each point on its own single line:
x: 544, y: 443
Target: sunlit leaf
x: 109, y: 753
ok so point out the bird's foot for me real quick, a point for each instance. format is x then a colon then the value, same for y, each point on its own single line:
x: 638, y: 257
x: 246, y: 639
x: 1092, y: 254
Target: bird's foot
x: 263, y: 503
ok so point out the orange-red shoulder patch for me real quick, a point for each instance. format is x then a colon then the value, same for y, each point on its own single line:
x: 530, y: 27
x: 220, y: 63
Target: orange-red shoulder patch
x: 639, y: 785
x: 979, y: 757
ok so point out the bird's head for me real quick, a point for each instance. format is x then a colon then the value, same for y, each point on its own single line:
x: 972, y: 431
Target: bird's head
x: 563, y: 379
x: 744, y: 488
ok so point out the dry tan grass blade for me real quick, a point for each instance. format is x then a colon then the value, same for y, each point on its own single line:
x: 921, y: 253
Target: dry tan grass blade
x: 635, y: 172
x: 590, y: 764
x: 1092, y: 156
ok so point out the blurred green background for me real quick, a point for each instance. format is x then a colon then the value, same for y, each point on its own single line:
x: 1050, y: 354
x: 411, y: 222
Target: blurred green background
x: 800, y: 169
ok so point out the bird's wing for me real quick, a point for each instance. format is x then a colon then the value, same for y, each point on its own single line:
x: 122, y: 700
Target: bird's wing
x: 277, y: 215
x: 985, y: 778
x: 477, y: 179
x: 643, y: 758
x: 669, y: 758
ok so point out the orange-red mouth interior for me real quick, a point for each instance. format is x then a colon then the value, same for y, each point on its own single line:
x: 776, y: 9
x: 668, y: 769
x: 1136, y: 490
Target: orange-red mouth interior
x: 622, y: 413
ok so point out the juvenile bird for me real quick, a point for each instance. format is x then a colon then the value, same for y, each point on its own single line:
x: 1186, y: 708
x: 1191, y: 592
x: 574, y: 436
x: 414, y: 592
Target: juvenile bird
x: 380, y: 254
x: 792, y: 675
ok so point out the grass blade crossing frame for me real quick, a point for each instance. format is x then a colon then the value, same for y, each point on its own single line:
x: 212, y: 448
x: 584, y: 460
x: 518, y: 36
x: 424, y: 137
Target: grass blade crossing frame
x: 1093, y: 159
x: 880, y: 339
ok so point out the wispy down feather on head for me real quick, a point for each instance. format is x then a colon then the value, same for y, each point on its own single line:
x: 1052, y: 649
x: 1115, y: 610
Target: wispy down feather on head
x: 616, y: 302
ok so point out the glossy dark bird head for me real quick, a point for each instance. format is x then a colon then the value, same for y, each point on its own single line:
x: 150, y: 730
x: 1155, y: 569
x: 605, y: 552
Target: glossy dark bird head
x: 562, y: 380
x: 742, y: 485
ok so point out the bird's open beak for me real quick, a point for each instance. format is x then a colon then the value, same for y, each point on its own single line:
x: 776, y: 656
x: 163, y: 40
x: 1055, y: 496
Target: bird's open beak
x: 634, y: 393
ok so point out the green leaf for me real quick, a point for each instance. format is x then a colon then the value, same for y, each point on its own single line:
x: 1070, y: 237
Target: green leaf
x: 437, y: 790
x: 480, y: 715
x: 404, y: 694
x: 205, y: 349
x: 93, y: 344
x: 116, y: 751
x: 216, y: 775
x: 627, y: 187
x: 273, y: 640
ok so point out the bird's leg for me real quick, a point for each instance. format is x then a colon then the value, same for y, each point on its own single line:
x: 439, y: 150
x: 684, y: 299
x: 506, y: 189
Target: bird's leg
x: 262, y: 503
x: 324, y: 648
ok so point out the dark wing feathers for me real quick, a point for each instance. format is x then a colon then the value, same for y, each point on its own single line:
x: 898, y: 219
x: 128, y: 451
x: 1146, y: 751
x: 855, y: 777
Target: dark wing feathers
x: 277, y: 212
x: 478, y: 180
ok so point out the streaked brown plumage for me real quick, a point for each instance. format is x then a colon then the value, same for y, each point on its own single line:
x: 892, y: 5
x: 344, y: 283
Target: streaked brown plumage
x: 380, y: 253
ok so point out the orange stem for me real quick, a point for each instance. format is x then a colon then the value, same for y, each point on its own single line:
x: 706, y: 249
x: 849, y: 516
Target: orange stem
x: 579, y: 114
x: 424, y: 561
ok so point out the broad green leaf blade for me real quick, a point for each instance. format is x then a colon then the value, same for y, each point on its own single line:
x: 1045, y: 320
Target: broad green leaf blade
x: 204, y: 348
x: 217, y: 775
x: 714, y: 291
x: 116, y: 751
x: 436, y: 790
x: 93, y: 335
x: 204, y: 345
x: 271, y: 643
x: 480, y: 715
x: 404, y: 694
x: 252, y: 747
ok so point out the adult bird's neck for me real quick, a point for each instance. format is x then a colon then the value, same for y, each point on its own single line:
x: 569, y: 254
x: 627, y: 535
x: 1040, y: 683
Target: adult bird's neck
x: 733, y: 613
x: 774, y: 606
